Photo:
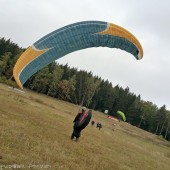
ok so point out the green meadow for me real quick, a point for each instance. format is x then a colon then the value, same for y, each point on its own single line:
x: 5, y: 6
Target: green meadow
x: 35, y: 133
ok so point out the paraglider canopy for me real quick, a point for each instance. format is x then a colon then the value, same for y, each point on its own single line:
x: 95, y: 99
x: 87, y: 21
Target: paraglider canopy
x: 71, y: 38
x: 122, y: 115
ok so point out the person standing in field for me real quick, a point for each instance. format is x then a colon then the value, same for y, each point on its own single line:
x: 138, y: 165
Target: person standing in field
x: 92, y: 122
x: 77, y: 131
x: 99, y: 125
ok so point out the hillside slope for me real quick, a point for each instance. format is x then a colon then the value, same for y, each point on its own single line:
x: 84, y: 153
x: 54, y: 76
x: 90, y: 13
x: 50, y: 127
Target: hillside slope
x: 35, y: 134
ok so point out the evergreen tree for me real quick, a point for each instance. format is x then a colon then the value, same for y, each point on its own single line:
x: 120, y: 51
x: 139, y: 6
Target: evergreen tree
x: 41, y: 81
x: 56, y: 74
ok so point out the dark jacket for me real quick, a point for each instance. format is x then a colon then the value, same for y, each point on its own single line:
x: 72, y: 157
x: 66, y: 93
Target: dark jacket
x: 77, y: 118
x: 76, y: 131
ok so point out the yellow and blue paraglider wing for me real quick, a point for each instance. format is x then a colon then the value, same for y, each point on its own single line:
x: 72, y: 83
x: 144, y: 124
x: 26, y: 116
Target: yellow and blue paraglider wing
x: 72, y: 38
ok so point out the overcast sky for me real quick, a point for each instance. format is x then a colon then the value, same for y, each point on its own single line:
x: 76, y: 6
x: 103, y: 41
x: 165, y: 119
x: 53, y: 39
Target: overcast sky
x: 26, y: 21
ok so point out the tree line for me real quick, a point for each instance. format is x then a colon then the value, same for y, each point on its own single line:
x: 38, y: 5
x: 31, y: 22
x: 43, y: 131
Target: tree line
x: 83, y: 88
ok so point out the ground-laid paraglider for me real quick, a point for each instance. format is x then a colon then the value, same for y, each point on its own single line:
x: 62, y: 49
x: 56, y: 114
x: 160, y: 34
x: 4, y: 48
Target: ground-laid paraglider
x: 71, y: 38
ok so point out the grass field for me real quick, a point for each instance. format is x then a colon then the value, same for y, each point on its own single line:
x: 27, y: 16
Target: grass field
x: 35, y: 134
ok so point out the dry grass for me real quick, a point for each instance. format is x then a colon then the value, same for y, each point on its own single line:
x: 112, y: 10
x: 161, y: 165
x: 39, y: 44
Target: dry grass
x: 35, y: 134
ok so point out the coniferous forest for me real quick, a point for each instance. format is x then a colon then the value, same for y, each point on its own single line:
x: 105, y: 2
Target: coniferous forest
x: 83, y: 88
